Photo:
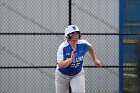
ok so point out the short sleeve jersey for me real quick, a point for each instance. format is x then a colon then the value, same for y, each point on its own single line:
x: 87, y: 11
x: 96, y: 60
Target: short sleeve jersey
x: 64, y: 52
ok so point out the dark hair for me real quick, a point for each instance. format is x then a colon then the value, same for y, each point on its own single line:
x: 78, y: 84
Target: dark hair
x: 69, y: 37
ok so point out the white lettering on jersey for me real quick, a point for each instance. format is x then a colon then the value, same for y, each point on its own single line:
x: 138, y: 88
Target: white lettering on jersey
x: 76, y: 62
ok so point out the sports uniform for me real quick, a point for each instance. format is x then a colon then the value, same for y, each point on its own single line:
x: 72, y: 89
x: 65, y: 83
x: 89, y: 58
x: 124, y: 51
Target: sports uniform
x: 72, y: 74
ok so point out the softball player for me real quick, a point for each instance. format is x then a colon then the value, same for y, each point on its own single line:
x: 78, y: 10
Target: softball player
x: 70, y: 60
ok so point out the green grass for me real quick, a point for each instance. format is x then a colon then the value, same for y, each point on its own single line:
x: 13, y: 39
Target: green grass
x: 129, y: 82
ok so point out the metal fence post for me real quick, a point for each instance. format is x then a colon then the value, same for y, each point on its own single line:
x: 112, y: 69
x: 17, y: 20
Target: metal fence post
x: 70, y: 13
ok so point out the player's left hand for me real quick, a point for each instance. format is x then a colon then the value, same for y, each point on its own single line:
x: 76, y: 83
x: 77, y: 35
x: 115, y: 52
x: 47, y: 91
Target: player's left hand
x: 97, y: 63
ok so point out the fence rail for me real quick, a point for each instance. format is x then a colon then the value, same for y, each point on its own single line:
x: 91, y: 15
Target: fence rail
x: 63, y: 34
x: 24, y: 67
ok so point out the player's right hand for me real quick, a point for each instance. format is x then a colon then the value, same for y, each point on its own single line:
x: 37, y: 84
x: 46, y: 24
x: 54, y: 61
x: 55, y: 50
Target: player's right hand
x: 73, y: 55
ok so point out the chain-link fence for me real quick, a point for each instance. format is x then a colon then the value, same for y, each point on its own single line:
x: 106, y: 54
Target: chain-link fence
x: 32, y: 30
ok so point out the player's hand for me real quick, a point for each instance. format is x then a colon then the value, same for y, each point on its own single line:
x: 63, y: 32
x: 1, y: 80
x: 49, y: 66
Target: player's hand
x: 73, y: 55
x: 97, y: 63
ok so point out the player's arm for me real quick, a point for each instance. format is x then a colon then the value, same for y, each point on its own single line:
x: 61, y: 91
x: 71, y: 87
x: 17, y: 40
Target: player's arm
x: 64, y: 64
x: 93, y: 55
x: 67, y: 62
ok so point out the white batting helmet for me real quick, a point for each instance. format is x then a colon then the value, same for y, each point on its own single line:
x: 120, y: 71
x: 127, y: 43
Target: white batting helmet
x: 71, y: 28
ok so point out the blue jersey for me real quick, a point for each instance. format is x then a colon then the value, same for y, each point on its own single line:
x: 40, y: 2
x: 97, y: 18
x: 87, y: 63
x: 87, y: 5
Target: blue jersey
x: 64, y: 52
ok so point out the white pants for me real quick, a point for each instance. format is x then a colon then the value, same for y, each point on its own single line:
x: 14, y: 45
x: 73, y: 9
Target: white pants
x: 76, y: 82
